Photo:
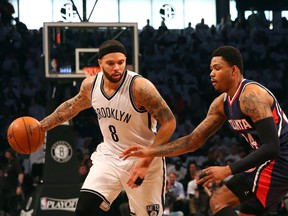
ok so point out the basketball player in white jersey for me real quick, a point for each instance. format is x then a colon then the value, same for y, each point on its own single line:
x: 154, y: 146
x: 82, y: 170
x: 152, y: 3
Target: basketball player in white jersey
x: 128, y: 107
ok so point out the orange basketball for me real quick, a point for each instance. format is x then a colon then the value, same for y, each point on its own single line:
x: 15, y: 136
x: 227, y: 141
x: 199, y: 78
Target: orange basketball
x: 24, y: 135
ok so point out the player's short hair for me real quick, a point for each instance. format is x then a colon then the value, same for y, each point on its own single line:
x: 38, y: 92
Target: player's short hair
x: 110, y: 46
x: 231, y: 55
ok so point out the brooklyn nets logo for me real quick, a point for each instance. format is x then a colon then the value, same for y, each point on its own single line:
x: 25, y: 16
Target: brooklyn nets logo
x: 61, y: 151
x: 153, y: 210
x: 167, y: 12
x: 68, y: 11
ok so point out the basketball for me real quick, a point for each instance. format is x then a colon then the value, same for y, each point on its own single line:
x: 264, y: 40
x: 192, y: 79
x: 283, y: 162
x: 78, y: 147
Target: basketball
x: 24, y: 135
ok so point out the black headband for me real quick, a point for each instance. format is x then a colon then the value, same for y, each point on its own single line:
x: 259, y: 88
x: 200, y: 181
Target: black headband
x: 111, y: 49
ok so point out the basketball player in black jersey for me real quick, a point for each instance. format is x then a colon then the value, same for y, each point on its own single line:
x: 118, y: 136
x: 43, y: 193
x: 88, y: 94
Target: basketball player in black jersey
x: 260, y: 180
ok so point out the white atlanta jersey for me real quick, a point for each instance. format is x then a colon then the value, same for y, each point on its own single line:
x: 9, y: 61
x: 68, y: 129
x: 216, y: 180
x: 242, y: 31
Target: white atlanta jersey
x: 122, y: 125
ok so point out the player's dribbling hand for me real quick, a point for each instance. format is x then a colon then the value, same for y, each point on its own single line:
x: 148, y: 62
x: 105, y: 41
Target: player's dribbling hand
x: 138, y: 173
x: 136, y: 151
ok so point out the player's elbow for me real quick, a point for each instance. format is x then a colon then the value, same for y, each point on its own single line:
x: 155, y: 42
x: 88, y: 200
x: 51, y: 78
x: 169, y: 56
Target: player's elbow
x: 173, y: 124
x: 272, y: 153
x: 268, y: 135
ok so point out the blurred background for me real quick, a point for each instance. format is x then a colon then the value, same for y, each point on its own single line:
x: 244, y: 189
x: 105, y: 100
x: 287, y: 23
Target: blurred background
x: 174, y: 41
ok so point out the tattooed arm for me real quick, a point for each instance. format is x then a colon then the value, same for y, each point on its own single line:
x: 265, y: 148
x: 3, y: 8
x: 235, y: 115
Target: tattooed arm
x: 71, y: 107
x: 256, y: 103
x: 146, y: 95
x: 213, y: 121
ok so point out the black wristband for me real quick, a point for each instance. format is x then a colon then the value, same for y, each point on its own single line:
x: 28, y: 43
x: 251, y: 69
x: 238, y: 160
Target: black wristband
x: 139, y: 181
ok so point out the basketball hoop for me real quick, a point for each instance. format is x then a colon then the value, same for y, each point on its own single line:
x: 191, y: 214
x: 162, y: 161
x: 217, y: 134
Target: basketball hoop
x: 90, y: 71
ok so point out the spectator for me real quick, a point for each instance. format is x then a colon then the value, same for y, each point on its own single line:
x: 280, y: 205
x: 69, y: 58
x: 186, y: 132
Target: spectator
x: 202, y: 25
x: 192, y: 193
x: 162, y: 29
x: 146, y: 39
x: 83, y: 171
x: 147, y: 30
x: 190, y: 174
x: 189, y: 30
x: 21, y: 27
x: 202, y: 201
x: 12, y: 180
x: 234, y: 153
x: 180, y: 203
x: 36, y: 110
x: 37, y: 165
x: 176, y: 186
x: 170, y: 199
x: 6, y: 11
x: 178, y: 169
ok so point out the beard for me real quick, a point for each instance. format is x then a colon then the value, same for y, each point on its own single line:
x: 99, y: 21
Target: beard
x: 110, y: 78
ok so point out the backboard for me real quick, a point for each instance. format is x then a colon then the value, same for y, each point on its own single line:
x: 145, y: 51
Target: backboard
x: 70, y: 48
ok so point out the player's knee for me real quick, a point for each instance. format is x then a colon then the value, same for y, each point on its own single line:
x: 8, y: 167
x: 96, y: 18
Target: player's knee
x: 88, y: 204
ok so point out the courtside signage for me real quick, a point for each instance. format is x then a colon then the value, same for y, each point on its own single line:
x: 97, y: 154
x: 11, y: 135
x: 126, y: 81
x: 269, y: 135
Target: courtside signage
x: 48, y: 203
x: 61, y: 151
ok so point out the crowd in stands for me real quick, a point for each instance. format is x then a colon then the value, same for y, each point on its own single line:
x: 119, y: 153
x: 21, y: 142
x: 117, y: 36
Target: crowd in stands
x: 177, y: 62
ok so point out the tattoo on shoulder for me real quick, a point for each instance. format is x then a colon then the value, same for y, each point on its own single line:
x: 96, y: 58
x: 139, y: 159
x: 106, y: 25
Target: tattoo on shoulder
x: 154, y: 103
x: 254, y: 106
